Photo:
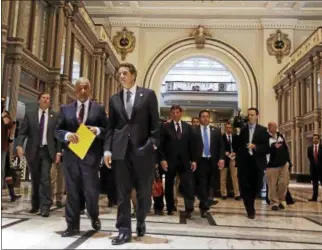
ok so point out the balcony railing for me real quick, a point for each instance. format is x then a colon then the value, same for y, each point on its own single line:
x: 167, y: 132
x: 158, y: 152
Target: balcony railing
x: 169, y: 86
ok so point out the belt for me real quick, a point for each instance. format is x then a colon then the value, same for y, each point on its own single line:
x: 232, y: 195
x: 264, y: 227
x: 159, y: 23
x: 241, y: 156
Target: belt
x: 42, y: 146
x: 206, y: 158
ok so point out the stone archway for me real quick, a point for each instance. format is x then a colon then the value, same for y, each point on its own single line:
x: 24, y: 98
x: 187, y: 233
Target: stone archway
x: 214, y: 49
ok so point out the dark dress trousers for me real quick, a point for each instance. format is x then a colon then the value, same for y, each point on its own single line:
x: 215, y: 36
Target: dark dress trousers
x: 132, y: 142
x: 315, y: 169
x: 81, y: 176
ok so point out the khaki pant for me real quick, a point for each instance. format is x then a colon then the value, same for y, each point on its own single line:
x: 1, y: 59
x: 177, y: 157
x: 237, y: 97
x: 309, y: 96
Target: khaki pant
x: 277, y: 180
x: 234, y: 178
x: 57, y: 181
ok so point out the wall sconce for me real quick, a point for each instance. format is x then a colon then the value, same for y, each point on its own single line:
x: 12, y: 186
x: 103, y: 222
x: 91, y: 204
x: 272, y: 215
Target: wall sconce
x: 278, y: 45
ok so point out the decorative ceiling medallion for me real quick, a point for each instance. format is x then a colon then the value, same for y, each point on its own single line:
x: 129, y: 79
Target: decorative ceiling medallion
x: 200, y: 34
x: 124, y: 42
x: 278, y: 45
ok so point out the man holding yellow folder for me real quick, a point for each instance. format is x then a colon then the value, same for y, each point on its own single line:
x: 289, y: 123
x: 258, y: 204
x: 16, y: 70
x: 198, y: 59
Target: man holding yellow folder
x: 132, y: 138
x: 82, y: 126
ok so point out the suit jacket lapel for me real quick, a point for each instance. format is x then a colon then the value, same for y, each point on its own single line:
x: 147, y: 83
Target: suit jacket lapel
x: 74, y: 112
x: 37, y: 119
x: 90, y: 111
x: 173, y: 129
x: 121, y: 106
x: 137, y: 99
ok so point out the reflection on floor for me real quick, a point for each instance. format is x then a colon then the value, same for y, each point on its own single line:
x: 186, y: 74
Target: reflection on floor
x: 226, y: 227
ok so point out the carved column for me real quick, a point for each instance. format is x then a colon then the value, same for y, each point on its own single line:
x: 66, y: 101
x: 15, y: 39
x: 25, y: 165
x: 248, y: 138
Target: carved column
x: 303, y: 97
x: 51, y: 36
x: 293, y: 139
x: 65, y: 77
x: 55, y: 92
x: 92, y: 70
x: 4, y: 33
x: 15, y: 47
x: 59, y: 36
x: 97, y: 85
x: 279, y: 105
x: 298, y: 124
x: 108, y: 83
x: 315, y: 97
x: 103, y: 86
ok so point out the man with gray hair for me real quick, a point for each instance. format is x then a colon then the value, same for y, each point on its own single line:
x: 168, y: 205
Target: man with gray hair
x: 81, y: 174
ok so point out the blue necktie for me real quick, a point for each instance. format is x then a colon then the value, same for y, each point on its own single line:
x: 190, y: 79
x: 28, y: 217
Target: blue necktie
x: 41, y: 126
x: 206, y: 149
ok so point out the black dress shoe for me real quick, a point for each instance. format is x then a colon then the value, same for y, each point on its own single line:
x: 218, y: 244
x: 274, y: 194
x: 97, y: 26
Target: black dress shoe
x: 59, y: 204
x: 110, y: 203
x: 281, y: 206
x: 69, y: 232
x: 237, y: 198
x: 158, y: 212
x: 212, y: 202
x: 96, y: 224
x: 203, y: 213
x: 313, y: 200
x: 170, y: 213
x: 141, y: 229
x: 175, y: 209
x: 82, y: 212
x: 121, y: 239
x: 275, y: 208
x: 14, y: 198
x: 224, y: 197
x: 251, y: 216
x: 45, y: 213
x: 33, y: 210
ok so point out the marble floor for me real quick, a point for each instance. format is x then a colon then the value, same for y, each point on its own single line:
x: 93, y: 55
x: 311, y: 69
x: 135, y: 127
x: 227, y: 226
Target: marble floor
x: 226, y: 227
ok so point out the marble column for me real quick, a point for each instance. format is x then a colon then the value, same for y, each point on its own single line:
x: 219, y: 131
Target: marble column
x: 92, y: 70
x: 67, y: 54
x: 50, y: 46
x: 279, y: 105
x: 315, y: 97
x: 293, y: 139
x: 97, y: 86
x: 108, y: 93
x: 303, y: 96
x: 4, y: 32
x: 102, y: 89
x: 298, y: 123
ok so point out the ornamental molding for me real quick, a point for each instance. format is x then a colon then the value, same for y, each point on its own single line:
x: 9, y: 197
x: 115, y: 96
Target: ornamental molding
x: 252, y: 24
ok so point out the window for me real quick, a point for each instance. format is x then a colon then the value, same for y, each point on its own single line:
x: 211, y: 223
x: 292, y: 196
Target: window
x: 40, y: 29
x: 76, y: 61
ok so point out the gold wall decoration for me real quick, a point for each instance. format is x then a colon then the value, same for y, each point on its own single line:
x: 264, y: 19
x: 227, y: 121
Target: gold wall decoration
x: 200, y: 34
x: 278, y: 45
x: 124, y: 42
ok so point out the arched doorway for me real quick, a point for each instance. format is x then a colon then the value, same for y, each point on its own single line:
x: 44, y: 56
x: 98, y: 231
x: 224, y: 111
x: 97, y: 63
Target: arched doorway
x: 214, y: 49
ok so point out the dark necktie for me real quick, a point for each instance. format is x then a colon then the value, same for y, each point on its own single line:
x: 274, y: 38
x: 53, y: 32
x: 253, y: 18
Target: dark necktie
x: 316, y: 153
x: 178, y: 131
x: 41, y: 126
x: 81, y: 113
x: 229, y: 141
x: 128, y: 104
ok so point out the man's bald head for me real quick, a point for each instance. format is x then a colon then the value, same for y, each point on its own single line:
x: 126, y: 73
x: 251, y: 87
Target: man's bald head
x: 83, y: 89
x: 272, y: 127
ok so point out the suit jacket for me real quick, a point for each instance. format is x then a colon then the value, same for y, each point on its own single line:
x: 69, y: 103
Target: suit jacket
x: 217, y: 147
x: 30, y: 129
x: 234, y: 139
x: 141, y: 129
x: 310, y: 156
x: 174, y: 150
x: 261, y: 141
x: 68, y: 122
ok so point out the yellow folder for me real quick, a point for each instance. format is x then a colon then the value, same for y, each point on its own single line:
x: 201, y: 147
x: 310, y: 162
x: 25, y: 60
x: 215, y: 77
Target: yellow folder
x: 85, y: 140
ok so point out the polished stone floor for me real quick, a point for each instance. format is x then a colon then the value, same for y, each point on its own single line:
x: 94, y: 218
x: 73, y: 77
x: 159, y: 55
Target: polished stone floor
x: 226, y: 227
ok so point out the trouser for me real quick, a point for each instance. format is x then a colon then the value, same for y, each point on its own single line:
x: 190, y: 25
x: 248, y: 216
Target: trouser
x: 223, y: 179
x: 57, y: 181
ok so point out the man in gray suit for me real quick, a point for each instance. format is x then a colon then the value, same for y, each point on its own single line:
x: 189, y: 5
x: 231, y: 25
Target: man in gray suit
x: 42, y: 150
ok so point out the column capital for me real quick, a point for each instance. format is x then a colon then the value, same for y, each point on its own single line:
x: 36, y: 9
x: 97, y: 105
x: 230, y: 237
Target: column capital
x: 15, y: 47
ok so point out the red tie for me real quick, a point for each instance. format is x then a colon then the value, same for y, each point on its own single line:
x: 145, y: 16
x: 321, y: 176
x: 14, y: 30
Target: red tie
x: 316, y: 154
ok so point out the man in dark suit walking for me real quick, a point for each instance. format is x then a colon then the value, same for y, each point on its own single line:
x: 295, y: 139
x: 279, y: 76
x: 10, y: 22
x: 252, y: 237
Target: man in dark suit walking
x: 210, y: 153
x: 81, y: 175
x: 176, y: 156
x: 252, y: 147
x: 131, y: 141
x: 42, y: 150
x: 229, y: 140
x: 314, y: 154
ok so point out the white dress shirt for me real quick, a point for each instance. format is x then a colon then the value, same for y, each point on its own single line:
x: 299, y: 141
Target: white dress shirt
x: 176, y: 126
x: 133, y: 91
x: 202, y: 133
x: 86, y: 109
x: 44, y: 135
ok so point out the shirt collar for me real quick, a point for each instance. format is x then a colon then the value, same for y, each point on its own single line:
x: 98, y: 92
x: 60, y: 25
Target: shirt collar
x: 132, y: 90
x: 204, y: 126
x: 40, y: 110
x: 79, y: 103
x: 251, y: 126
